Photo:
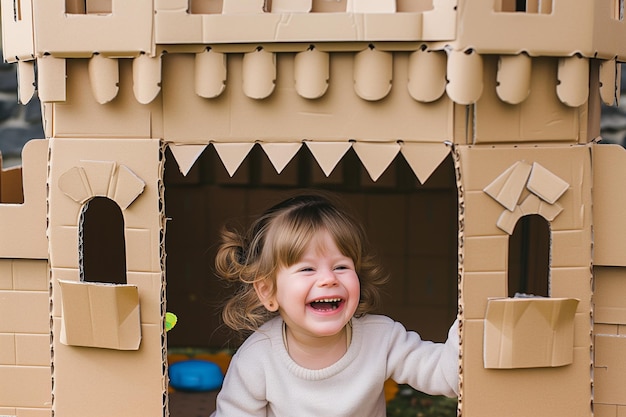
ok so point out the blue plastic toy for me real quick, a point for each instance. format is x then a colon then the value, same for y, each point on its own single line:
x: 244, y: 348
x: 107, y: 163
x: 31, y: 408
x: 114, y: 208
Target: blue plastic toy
x: 195, y: 375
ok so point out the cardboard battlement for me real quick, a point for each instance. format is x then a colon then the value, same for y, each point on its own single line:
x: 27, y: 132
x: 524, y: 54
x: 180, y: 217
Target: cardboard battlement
x: 463, y: 132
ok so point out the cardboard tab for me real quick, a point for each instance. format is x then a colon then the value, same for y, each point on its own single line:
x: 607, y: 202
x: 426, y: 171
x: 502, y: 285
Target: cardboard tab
x: 513, y: 78
x: 376, y: 157
x: 465, y: 76
x: 242, y: 6
x: 311, y: 73
x: 127, y: 188
x: 508, y: 187
x: 371, y: 6
x: 280, y: 154
x: 529, y: 332
x: 104, y: 75
x: 328, y: 154
x: 25, y: 81
x: 100, y: 315
x: 52, y: 79
x: 146, y: 78
x: 99, y: 174
x: 427, y: 75
x: 573, y: 76
x: 259, y: 74
x: 608, y: 82
x: 186, y: 155
x: 373, y: 72
x: 210, y: 73
x: 424, y: 158
x: 75, y: 185
x: 232, y: 154
x: 545, y: 184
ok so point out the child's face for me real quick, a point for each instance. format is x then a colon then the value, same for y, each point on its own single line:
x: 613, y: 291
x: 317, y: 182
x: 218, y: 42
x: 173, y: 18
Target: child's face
x: 320, y: 293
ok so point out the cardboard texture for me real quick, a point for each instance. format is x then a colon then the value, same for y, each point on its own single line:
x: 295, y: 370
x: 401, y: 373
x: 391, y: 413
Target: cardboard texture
x: 529, y: 333
x: 463, y: 132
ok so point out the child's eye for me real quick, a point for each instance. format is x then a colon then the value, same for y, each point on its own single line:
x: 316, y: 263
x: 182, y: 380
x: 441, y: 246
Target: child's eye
x: 306, y: 269
x: 341, y: 267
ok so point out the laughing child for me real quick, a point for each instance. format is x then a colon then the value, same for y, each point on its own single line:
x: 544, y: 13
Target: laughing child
x: 306, y: 287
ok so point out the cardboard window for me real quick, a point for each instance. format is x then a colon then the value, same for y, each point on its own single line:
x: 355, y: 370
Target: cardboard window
x: 526, y: 6
x: 205, y: 6
x: 529, y: 257
x: 328, y: 6
x: 88, y: 6
x: 102, y: 244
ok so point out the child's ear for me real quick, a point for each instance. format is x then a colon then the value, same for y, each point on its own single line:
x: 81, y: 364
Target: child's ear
x: 265, y: 291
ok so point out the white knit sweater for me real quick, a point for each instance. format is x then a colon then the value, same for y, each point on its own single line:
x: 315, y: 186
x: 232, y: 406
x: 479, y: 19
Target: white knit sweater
x: 263, y: 380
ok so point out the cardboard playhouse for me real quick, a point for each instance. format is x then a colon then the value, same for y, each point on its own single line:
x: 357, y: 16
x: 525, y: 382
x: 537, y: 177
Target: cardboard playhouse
x: 465, y: 133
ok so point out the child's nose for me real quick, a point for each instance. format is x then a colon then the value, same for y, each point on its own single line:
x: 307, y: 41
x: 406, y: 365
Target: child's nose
x: 327, y: 279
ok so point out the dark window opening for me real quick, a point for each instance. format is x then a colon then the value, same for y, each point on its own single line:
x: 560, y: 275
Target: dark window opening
x: 527, y: 6
x: 205, y: 6
x: 88, y: 6
x: 328, y: 6
x: 529, y: 257
x: 412, y: 227
x: 102, y: 244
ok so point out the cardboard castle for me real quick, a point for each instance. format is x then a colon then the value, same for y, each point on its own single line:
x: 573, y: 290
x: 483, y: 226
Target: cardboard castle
x: 465, y: 132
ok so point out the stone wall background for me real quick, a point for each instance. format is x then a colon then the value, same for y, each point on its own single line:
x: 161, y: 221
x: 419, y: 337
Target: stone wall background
x: 20, y: 123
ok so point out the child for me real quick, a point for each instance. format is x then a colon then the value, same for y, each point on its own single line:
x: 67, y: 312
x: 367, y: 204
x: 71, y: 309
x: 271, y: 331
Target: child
x: 307, y: 286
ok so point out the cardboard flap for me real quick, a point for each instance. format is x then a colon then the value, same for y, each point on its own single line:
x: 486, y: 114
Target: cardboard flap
x: 311, y: 73
x: 99, y: 175
x: 545, y: 184
x: 371, y: 6
x: 186, y: 155
x: 507, y: 188
x: 100, y: 315
x: 232, y: 154
x: 75, y: 185
x: 280, y: 154
x: 529, y: 332
x: 128, y: 187
x: 146, y: 78
x: 328, y: 154
x: 25, y: 81
x: 210, y: 73
x: 104, y: 75
x: 259, y: 73
x: 376, y: 157
x: 573, y: 85
x: 51, y: 79
x: 424, y: 158
x: 513, y: 78
x: 427, y: 75
x: 608, y: 82
x: 609, y: 222
x: 465, y: 77
x: 242, y: 6
x: 373, y: 72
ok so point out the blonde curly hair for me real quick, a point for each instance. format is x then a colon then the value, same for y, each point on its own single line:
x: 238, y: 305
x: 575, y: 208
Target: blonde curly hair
x: 278, y: 238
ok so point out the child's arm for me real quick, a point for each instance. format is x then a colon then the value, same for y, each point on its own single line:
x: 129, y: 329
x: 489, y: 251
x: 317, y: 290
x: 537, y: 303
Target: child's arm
x: 429, y: 367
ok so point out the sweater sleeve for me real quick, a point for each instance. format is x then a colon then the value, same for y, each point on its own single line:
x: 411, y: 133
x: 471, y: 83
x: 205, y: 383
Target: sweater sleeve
x: 243, y: 391
x: 426, y: 366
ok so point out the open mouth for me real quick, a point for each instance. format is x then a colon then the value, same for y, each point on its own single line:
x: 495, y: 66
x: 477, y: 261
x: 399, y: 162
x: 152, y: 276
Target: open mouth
x: 326, y: 304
